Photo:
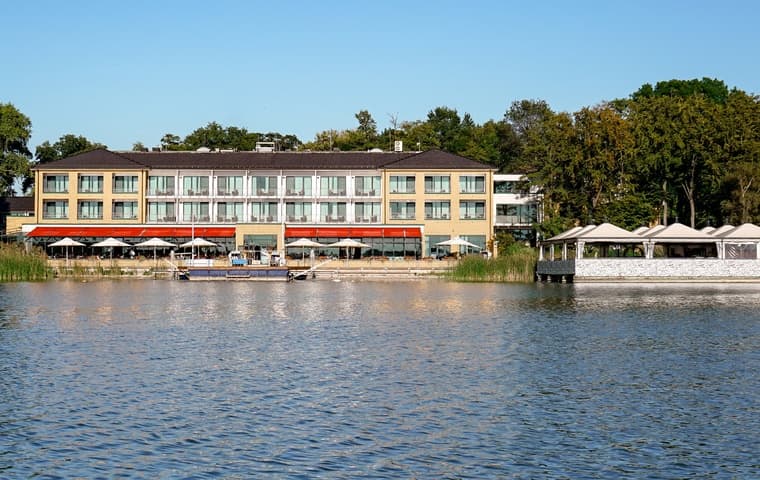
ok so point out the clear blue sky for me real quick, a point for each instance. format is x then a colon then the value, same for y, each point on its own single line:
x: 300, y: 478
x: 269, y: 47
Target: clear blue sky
x: 119, y: 72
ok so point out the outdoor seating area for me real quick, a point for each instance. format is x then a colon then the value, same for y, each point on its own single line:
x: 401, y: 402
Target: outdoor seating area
x: 674, y: 252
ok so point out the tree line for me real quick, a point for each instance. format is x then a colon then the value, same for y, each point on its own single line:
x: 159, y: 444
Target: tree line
x: 679, y: 150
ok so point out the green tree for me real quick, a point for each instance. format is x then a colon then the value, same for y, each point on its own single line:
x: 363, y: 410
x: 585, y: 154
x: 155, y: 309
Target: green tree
x: 679, y: 145
x: 171, y: 141
x: 603, y: 165
x: 529, y: 122
x: 212, y: 136
x: 15, y: 131
x: 367, y: 130
x: 447, y: 129
x: 740, y: 198
x: 715, y: 90
x: 66, y: 146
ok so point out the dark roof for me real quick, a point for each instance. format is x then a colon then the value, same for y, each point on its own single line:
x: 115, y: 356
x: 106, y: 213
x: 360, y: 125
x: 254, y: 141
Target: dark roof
x: 107, y: 160
x: 16, y: 204
x: 100, y: 158
x: 436, y: 159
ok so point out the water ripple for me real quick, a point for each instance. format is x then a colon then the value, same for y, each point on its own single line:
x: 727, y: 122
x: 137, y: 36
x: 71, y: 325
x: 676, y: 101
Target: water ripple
x: 154, y: 379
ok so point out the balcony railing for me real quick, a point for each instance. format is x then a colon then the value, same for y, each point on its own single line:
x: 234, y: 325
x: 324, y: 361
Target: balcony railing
x: 513, y: 220
x: 169, y: 192
x: 263, y: 218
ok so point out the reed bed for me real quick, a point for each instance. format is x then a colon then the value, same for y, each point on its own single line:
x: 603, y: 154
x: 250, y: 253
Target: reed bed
x: 516, y: 266
x: 18, y: 265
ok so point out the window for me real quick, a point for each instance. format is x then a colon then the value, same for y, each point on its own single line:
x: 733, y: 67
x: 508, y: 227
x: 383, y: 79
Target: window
x: 437, y: 210
x: 507, y: 186
x: 472, y: 184
x: 125, y: 184
x: 124, y: 211
x: 227, y: 212
x: 161, y: 212
x: 517, y: 213
x: 262, y: 212
x: 298, y: 211
x: 264, y: 186
x: 471, y: 210
x: 55, y: 184
x: 195, y: 185
x: 437, y: 184
x: 161, y: 186
x: 332, y: 212
x: 367, y: 212
x: 402, y: 184
x: 229, y: 185
x: 402, y: 211
x: 91, y: 183
x: 432, y: 249
x: 256, y: 242
x: 90, y: 210
x: 55, y: 209
x: 195, y: 212
x: 300, y: 186
x: 332, y: 186
x: 367, y: 186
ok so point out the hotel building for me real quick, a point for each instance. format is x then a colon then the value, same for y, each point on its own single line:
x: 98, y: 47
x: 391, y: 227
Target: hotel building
x: 400, y: 203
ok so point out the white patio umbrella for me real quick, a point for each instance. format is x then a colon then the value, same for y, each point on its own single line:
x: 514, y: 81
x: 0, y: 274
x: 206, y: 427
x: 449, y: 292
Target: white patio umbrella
x: 155, y: 243
x: 303, y: 243
x: 348, y: 243
x: 197, y: 242
x: 66, y: 242
x: 459, y: 242
x: 111, y: 242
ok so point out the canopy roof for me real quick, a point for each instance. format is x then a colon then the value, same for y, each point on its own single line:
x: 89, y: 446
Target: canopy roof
x: 608, y: 232
x: 674, y: 233
x: 678, y: 232
x: 746, y: 231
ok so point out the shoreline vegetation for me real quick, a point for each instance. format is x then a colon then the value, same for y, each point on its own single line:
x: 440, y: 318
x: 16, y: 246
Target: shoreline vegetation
x: 517, y: 265
x: 18, y: 265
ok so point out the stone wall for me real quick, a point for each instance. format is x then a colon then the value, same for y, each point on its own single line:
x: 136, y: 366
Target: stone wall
x: 693, y: 269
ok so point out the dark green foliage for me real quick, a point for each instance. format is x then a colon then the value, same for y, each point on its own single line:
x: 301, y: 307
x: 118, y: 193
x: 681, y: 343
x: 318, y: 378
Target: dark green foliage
x: 15, y: 131
x: 712, y: 88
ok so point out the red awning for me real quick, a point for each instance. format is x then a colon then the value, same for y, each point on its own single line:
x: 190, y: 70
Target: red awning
x: 122, y: 232
x: 353, y: 232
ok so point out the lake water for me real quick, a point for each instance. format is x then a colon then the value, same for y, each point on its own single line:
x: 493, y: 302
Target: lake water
x: 409, y: 379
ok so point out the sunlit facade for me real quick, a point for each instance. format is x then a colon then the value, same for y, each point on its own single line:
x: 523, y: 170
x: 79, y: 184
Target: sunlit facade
x: 400, y: 203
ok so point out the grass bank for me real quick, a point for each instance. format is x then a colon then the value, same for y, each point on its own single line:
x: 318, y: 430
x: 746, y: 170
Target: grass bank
x: 515, y: 266
x: 18, y: 265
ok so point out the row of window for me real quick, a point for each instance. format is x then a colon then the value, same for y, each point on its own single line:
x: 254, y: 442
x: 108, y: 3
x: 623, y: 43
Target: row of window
x: 90, y: 183
x: 232, y: 185
x: 89, y: 210
x: 264, y: 212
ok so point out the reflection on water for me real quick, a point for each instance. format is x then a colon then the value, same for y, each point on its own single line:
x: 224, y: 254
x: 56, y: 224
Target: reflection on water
x: 378, y: 380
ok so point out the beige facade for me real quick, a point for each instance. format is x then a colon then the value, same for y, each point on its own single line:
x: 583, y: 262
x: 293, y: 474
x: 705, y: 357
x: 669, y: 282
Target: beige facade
x: 88, y: 197
x: 258, y: 201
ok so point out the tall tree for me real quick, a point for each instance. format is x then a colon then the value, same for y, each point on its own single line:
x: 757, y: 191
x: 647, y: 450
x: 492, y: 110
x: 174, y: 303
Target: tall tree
x: 367, y: 130
x: 66, y: 146
x: 529, y: 121
x: 447, y: 129
x: 741, y: 149
x: 714, y: 89
x: 15, y: 131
